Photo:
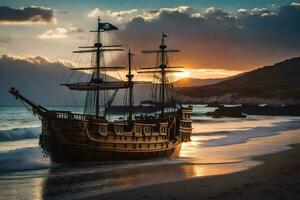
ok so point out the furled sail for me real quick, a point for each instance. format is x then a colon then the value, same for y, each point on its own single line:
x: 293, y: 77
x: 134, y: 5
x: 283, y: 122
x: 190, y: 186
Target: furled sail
x: 91, y: 86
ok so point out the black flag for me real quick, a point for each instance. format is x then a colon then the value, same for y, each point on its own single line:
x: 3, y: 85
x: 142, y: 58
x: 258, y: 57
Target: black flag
x: 106, y: 27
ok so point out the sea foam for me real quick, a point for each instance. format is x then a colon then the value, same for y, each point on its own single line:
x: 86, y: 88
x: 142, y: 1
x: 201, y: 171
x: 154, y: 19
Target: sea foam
x: 242, y: 136
x: 22, y: 159
x: 19, y: 134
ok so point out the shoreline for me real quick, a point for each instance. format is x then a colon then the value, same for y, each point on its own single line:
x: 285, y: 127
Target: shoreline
x: 278, y: 177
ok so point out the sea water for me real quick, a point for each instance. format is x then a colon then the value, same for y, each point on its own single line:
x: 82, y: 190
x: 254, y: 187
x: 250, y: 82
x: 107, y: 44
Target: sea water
x: 218, y: 146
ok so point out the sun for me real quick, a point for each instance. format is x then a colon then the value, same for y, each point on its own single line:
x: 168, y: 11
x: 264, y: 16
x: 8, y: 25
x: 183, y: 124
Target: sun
x: 184, y: 74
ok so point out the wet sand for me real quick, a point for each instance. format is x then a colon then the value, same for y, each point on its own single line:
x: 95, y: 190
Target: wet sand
x: 277, y: 178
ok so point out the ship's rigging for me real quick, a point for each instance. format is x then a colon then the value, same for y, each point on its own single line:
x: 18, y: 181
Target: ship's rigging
x: 97, y: 83
x: 162, y: 93
x: 163, y: 97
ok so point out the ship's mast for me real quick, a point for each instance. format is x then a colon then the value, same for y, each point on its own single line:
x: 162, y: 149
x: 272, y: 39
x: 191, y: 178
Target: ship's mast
x: 98, y: 45
x: 92, y: 104
x: 162, y: 66
x: 162, y: 69
x: 130, y: 85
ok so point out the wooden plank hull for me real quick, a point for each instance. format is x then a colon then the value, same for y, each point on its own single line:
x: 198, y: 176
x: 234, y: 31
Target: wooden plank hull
x: 63, y: 153
x: 66, y: 154
x: 79, y: 138
x: 65, y: 142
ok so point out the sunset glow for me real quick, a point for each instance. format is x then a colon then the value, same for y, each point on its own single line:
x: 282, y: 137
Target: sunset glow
x: 213, y: 73
x: 184, y: 74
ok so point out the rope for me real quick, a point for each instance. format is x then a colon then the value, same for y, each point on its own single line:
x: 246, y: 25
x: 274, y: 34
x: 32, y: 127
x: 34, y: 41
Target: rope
x: 74, y: 99
x: 25, y: 105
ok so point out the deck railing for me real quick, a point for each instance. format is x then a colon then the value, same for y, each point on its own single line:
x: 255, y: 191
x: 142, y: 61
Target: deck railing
x: 70, y: 115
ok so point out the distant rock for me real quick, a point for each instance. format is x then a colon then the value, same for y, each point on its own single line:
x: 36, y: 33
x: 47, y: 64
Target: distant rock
x: 244, y: 110
x: 213, y: 104
x: 223, y: 111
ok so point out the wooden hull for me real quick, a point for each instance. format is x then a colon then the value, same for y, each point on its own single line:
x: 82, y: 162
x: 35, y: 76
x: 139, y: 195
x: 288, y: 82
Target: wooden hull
x: 62, y: 153
x: 66, y: 141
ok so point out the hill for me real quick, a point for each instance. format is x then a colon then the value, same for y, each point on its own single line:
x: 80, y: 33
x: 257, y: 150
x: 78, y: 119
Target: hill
x: 279, y: 82
x: 39, y: 79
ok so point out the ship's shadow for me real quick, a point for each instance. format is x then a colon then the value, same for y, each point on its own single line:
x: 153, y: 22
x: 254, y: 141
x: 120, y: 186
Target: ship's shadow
x: 71, y: 181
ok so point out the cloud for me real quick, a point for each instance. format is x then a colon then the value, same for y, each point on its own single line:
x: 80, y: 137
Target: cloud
x: 5, y: 40
x: 215, y: 38
x: 243, y: 11
x: 295, y: 4
x: 59, y: 32
x: 115, y: 16
x: 73, y: 29
x: 154, y: 14
x: 39, y: 79
x: 28, y: 15
x: 37, y: 60
x: 94, y: 13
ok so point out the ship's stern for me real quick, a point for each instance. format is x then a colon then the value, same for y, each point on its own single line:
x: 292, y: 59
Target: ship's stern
x: 186, y: 123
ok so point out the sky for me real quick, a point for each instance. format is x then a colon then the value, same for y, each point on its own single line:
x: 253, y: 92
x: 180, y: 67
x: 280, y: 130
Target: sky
x: 216, y: 38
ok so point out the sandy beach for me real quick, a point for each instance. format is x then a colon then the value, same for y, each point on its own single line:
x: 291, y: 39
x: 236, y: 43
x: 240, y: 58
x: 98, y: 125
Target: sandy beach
x: 278, y: 177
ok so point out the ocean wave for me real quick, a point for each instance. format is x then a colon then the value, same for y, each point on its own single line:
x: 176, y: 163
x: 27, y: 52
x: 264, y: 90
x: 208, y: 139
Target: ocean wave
x: 19, y: 134
x: 22, y: 159
x: 242, y: 136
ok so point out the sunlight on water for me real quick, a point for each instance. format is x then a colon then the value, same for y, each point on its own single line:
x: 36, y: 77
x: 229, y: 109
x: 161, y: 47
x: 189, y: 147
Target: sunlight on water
x: 205, y: 125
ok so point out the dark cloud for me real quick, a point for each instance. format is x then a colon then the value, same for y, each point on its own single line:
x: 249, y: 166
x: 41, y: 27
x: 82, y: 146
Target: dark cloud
x: 38, y: 78
x: 30, y: 14
x: 215, y: 38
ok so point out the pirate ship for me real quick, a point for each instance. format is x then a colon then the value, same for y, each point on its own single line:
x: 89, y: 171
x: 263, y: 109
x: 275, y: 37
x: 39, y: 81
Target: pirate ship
x: 91, y: 136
